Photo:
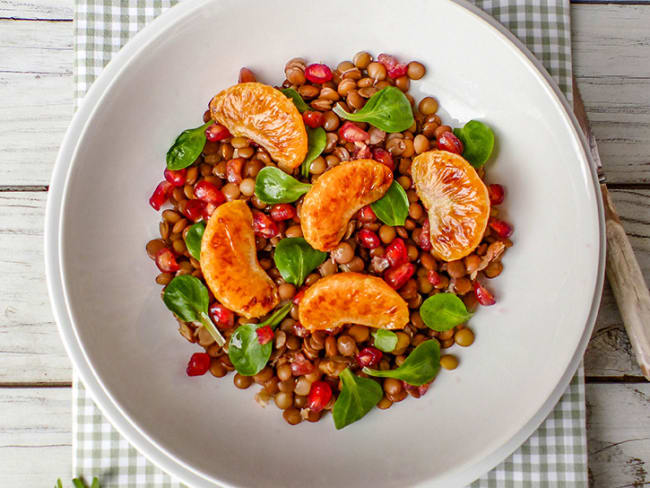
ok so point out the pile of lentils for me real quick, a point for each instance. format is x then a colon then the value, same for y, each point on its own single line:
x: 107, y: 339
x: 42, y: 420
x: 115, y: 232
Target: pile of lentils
x: 300, y: 358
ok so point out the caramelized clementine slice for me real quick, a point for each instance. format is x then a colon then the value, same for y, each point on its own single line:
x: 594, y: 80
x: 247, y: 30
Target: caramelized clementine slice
x: 337, y: 195
x: 229, y: 262
x: 457, y: 202
x: 352, y: 298
x: 264, y: 115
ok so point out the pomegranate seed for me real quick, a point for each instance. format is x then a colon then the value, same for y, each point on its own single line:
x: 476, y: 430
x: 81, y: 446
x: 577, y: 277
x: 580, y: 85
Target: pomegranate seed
x: 208, y: 210
x: 396, y: 252
x: 368, y: 239
x: 397, y: 276
x: 394, y: 68
x: 367, y: 214
x: 194, y: 209
x: 384, y: 157
x: 300, y: 331
x: 221, y: 316
x: 298, y: 296
x: 483, y: 296
x: 318, y: 73
x: 319, y: 396
x: 217, y: 132
x: 166, y: 261
x: 246, y: 76
x: 369, y: 357
x: 263, y: 225
x: 503, y: 229
x: 209, y: 193
x: 199, y: 364
x: 233, y: 170
x: 434, y: 278
x: 449, y: 142
x: 416, y: 391
x: 160, y: 194
x: 361, y: 151
x: 264, y: 334
x: 351, y: 132
x: 312, y: 118
x: 176, y: 178
x: 425, y: 236
x: 283, y: 211
x: 300, y: 365
x: 497, y: 194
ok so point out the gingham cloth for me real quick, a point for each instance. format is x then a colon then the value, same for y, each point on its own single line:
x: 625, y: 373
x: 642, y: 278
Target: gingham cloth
x: 554, y: 456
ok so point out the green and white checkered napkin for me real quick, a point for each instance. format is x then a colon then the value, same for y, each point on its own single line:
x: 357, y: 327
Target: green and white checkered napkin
x: 554, y: 456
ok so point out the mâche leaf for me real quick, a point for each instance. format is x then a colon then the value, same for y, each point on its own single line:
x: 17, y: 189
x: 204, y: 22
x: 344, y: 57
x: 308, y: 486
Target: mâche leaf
x: 295, y: 259
x: 478, y: 140
x: 444, y: 311
x: 420, y: 367
x: 388, y: 110
x: 193, y: 239
x: 357, y: 397
x: 273, y: 185
x: 393, y: 207
x: 187, y: 147
x: 317, y: 139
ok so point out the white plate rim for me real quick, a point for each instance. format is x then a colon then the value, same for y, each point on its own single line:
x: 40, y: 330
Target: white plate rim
x: 83, y: 366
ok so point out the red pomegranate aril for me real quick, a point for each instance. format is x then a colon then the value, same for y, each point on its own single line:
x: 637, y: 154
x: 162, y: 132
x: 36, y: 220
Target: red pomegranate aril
x: 263, y: 225
x: 176, y: 178
x: 424, y: 240
x: 394, y: 68
x: 300, y: 331
x: 350, y: 132
x: 199, y: 364
x: 283, y: 211
x: 318, y: 73
x: 300, y: 365
x: 221, y: 316
x: 397, y: 276
x: 396, y: 252
x: 369, y: 357
x: 233, y: 170
x: 246, y: 76
x: 217, y: 132
x: 194, y: 209
x: 298, y: 296
x: 367, y: 214
x: 166, y: 261
x: 384, y: 157
x: 433, y: 277
x: 361, y: 151
x: 483, y: 296
x: 160, y: 194
x: 449, y: 142
x: 497, y: 193
x: 209, y: 193
x: 313, y: 118
x: 416, y: 391
x: 368, y: 239
x: 319, y: 396
x: 501, y: 228
x: 264, y: 334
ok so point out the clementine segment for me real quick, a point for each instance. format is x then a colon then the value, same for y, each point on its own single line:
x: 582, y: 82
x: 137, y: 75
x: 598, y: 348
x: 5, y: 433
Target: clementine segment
x: 229, y: 262
x: 456, y: 200
x: 352, y: 298
x: 264, y: 115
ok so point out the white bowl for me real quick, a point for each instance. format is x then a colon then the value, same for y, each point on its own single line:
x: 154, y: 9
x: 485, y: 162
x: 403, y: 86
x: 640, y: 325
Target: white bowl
x: 125, y: 345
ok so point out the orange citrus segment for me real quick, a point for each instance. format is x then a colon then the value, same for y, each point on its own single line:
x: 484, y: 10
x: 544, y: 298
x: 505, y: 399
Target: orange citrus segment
x: 352, y: 298
x: 267, y: 117
x: 337, y: 195
x: 456, y: 200
x: 229, y: 262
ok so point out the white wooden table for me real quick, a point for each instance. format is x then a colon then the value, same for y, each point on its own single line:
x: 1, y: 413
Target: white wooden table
x: 612, y: 62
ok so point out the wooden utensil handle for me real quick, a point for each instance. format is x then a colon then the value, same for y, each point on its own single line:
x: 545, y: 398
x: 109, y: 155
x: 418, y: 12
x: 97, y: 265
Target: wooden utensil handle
x: 628, y: 285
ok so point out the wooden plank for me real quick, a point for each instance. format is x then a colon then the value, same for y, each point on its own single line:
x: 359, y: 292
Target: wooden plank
x: 37, y: 9
x: 30, y: 349
x: 616, y: 93
x: 618, y: 435
x: 35, y: 436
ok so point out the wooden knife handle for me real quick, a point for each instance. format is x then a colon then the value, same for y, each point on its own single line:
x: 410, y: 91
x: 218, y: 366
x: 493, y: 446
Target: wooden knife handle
x: 628, y: 285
